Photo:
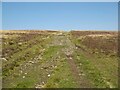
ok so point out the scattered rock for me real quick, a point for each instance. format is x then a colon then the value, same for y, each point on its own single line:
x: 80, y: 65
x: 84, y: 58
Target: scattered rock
x: 19, y: 43
x: 81, y: 74
x: 80, y: 64
x: 70, y: 57
x: 60, y: 43
x: 21, y: 71
x: 40, y: 58
x: 55, y: 66
x: 76, y: 47
x: 44, y: 49
x: 48, y: 37
x: 31, y: 62
x: 48, y: 75
x: 39, y: 86
x: 23, y: 76
x: 4, y: 59
x: 111, y: 86
x: 43, y: 82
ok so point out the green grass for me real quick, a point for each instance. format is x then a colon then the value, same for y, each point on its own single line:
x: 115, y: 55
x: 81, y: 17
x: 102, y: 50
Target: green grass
x: 91, y: 71
x: 108, y: 66
x: 100, y: 69
x: 61, y: 77
x: 22, y: 56
x: 51, y: 51
x: 35, y: 74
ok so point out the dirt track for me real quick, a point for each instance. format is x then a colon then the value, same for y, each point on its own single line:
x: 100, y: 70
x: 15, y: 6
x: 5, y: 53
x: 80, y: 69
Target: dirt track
x: 68, y: 50
x: 54, y: 61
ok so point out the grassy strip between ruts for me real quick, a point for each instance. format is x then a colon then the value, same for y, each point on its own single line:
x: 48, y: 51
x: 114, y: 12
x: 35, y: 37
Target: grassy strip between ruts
x: 62, y: 76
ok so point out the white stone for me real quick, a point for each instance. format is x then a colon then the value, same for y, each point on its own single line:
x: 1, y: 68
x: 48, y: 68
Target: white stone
x: 43, y: 83
x: 4, y: 59
x: 48, y: 75
x: 23, y: 76
x: 55, y: 66
x: 31, y: 62
x: 76, y: 47
x: 21, y: 71
x: 80, y: 64
x: 70, y: 58
x: 20, y: 43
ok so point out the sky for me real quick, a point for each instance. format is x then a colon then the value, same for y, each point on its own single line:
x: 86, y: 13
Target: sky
x: 59, y: 16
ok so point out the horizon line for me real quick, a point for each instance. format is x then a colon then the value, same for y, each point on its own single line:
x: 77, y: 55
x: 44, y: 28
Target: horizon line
x: 52, y: 30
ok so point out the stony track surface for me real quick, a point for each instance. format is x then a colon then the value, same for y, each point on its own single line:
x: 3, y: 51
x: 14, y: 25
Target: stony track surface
x: 57, y: 62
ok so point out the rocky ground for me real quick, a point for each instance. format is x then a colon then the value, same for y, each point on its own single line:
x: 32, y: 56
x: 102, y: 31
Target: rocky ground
x: 55, y: 60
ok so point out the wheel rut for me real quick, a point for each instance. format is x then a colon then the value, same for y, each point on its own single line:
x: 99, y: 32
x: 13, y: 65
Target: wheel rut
x: 69, y: 50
